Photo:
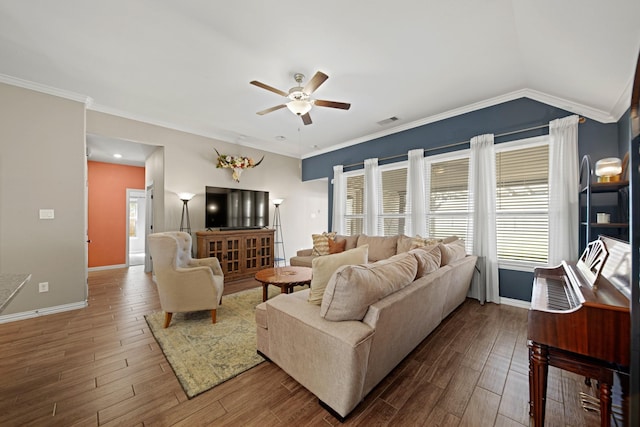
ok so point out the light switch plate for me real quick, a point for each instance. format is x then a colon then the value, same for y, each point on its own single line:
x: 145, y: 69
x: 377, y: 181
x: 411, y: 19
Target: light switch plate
x: 46, y: 214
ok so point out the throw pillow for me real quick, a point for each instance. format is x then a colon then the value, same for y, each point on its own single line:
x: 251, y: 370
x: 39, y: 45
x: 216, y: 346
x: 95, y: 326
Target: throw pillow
x: 428, y: 257
x: 404, y: 244
x: 450, y: 239
x: 321, y: 243
x: 323, y: 267
x: 353, y: 288
x: 418, y: 242
x: 452, y: 252
x: 380, y: 247
x: 336, y: 247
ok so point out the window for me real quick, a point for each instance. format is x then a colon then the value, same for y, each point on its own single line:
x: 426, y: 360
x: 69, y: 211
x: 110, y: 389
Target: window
x: 354, y: 211
x: 448, y: 197
x: 393, y: 213
x: 522, y: 201
x: 133, y: 218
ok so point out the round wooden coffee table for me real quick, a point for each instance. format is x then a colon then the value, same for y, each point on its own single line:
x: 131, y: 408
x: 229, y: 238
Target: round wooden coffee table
x: 285, y: 277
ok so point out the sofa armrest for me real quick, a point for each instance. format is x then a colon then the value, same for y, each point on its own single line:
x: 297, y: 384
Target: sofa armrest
x: 305, y: 252
x: 308, y: 348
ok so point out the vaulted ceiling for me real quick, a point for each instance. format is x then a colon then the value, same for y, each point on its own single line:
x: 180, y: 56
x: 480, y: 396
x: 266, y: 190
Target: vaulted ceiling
x: 187, y: 64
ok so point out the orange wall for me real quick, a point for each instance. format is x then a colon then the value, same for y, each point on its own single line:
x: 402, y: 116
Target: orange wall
x: 107, y: 195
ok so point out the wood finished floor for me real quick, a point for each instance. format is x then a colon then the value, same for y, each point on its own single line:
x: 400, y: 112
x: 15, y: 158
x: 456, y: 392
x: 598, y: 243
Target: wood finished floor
x: 101, y: 366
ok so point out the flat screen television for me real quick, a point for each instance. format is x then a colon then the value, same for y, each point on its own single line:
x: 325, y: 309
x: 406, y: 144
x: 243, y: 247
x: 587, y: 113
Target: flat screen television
x: 235, y: 209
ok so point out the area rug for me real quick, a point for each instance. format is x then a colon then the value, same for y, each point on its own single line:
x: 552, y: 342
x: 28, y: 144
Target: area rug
x: 203, y: 354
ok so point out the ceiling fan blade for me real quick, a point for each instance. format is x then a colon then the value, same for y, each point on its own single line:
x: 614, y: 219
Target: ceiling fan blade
x: 332, y: 104
x: 315, y: 82
x: 267, y: 87
x: 306, y: 119
x: 268, y: 110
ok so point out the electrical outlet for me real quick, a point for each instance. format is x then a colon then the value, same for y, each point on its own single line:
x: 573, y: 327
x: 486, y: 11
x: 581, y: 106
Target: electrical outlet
x: 43, y: 287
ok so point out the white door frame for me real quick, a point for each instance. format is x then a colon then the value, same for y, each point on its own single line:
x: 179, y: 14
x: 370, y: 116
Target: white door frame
x: 131, y: 192
x: 148, y: 267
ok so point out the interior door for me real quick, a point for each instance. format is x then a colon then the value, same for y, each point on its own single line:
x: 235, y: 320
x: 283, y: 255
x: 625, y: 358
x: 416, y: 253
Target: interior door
x: 136, y: 227
x: 148, y: 266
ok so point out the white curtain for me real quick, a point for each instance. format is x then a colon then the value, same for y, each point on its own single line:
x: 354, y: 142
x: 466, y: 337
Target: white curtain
x: 339, y: 199
x: 482, y: 197
x: 415, y: 192
x: 563, y: 189
x: 372, y: 186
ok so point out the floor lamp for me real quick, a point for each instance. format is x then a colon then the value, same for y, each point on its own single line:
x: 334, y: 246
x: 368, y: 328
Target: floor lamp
x: 278, y: 244
x: 185, y: 222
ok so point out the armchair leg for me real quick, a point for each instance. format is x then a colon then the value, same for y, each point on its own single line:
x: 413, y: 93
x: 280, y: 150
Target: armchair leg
x: 213, y: 316
x: 167, y: 319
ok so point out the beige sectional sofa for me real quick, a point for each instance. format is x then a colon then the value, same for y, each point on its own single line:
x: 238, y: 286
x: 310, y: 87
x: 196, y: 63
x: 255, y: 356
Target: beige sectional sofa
x: 380, y: 247
x: 371, y: 317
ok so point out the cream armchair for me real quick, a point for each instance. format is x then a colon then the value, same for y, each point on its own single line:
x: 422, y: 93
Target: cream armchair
x: 184, y: 284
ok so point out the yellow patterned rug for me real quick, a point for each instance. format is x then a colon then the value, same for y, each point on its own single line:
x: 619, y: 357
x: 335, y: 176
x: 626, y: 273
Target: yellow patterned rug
x: 203, y: 354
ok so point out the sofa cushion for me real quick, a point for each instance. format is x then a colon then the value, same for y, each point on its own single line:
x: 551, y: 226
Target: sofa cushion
x: 336, y: 247
x: 352, y: 241
x: 321, y: 243
x: 452, y: 251
x: 403, y: 244
x: 380, y: 247
x: 429, y: 258
x: 324, y: 266
x: 353, y: 288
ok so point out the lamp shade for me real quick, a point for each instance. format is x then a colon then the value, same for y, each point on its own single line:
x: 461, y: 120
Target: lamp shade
x: 277, y: 202
x: 299, y: 107
x: 185, y: 196
x: 607, y: 168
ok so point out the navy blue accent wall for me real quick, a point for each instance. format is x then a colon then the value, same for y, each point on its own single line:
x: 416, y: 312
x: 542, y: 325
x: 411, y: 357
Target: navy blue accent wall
x: 515, y: 284
x: 624, y: 133
x: 594, y: 138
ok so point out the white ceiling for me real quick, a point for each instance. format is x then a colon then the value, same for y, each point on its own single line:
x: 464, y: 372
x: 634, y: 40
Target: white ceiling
x: 187, y: 64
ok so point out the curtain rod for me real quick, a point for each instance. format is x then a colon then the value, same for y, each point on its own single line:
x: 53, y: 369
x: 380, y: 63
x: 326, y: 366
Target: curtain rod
x: 580, y: 120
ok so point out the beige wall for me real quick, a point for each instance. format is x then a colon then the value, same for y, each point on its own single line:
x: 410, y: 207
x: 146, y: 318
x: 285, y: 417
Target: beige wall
x: 42, y: 165
x: 189, y: 166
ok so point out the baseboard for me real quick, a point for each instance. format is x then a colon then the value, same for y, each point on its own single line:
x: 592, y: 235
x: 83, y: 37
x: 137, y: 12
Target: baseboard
x: 107, y: 267
x: 515, y: 302
x: 42, y: 312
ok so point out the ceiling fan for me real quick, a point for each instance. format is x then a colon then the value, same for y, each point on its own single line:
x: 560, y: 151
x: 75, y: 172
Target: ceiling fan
x: 300, y: 101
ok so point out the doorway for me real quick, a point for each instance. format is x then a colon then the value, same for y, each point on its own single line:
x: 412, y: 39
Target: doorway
x: 136, y: 220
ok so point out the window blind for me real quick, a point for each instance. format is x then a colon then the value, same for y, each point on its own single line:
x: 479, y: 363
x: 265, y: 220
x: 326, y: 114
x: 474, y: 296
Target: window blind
x: 354, y: 212
x: 394, y: 214
x: 522, y: 204
x: 448, y: 187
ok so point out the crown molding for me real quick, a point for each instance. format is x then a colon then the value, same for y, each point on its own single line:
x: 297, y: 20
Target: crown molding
x: 49, y: 90
x: 220, y: 136
x: 575, y: 107
x: 431, y: 119
x: 554, y: 101
x: 618, y: 110
x: 624, y: 102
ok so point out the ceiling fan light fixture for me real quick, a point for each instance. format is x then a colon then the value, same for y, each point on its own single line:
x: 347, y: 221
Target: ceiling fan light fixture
x: 299, y: 107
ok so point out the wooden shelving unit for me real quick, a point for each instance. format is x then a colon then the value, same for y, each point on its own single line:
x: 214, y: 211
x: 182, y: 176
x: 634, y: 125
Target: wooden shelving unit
x: 587, y: 189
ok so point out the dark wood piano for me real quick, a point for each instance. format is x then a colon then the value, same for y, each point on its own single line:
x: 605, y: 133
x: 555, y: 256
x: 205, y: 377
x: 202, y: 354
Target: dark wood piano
x: 579, y: 321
